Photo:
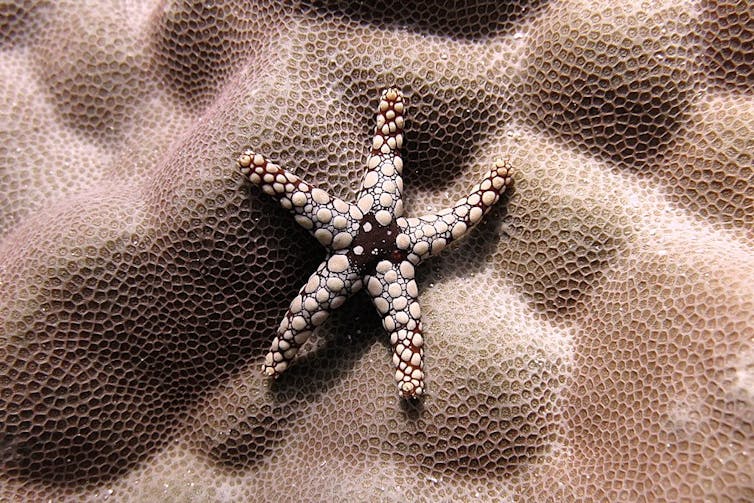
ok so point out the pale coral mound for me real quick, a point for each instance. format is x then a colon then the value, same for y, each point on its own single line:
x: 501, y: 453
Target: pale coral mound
x: 592, y: 339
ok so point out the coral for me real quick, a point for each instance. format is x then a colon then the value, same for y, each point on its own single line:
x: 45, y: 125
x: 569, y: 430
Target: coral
x: 592, y: 339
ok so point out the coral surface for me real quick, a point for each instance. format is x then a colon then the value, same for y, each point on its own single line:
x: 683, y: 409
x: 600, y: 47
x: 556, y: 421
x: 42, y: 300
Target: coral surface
x: 593, y: 339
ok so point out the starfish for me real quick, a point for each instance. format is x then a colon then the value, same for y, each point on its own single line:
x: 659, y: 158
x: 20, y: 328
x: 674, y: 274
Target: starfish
x: 369, y: 243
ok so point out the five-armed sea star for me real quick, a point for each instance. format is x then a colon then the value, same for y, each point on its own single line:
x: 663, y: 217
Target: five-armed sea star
x: 369, y: 243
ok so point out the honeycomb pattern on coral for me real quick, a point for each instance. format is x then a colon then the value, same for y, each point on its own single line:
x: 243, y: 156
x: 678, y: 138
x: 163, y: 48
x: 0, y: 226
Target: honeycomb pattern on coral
x: 592, y: 340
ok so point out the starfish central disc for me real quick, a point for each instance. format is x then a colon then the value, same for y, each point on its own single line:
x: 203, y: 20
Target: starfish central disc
x: 370, y: 244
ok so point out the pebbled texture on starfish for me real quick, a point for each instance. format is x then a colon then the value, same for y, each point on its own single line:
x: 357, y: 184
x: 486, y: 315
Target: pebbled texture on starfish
x: 369, y: 243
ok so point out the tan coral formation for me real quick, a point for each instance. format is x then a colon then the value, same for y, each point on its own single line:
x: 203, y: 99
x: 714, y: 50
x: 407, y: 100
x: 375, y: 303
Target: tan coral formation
x: 592, y: 340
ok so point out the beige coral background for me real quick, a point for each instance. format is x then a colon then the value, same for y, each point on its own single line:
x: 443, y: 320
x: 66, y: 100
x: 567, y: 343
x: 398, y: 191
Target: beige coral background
x: 592, y: 339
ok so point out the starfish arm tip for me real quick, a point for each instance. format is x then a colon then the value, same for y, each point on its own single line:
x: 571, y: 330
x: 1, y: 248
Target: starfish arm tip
x: 503, y: 169
x: 394, y: 293
x: 429, y: 235
x: 271, y: 178
x: 382, y: 185
x: 327, y: 289
x: 327, y: 218
x: 388, y: 132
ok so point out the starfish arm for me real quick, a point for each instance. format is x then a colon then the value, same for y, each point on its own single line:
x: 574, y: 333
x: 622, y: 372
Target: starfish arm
x: 394, y: 294
x: 335, y: 280
x: 428, y: 235
x: 329, y: 219
x: 382, y: 185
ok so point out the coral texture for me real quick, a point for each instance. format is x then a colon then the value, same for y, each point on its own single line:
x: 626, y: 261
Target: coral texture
x: 592, y: 340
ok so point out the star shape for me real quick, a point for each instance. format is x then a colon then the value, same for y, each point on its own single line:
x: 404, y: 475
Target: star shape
x: 369, y: 244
